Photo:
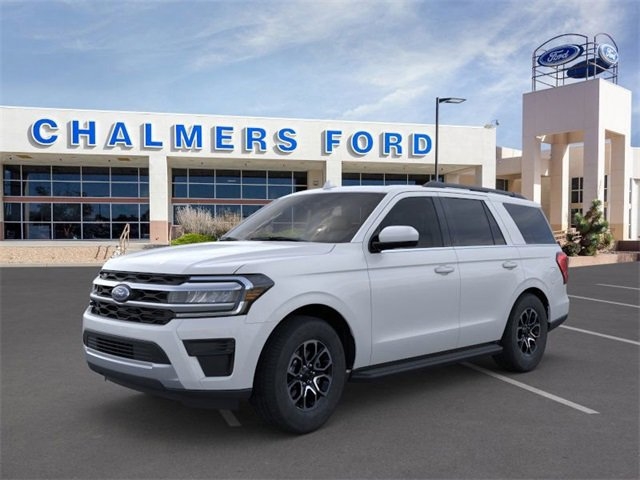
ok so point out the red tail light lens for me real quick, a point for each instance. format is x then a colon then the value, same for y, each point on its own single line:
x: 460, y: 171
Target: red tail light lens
x: 563, y: 263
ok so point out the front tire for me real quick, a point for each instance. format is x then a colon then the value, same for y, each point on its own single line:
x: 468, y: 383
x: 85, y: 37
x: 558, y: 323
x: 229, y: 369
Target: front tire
x: 525, y: 337
x: 300, y: 376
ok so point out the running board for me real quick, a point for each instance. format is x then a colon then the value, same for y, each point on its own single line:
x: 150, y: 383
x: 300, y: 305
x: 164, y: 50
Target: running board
x: 416, y: 363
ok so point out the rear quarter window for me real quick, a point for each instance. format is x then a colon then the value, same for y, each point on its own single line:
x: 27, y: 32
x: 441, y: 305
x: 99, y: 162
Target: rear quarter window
x: 531, y: 222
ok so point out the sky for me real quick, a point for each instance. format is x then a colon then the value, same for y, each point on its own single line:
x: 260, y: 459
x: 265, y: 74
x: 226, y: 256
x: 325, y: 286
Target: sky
x: 360, y: 60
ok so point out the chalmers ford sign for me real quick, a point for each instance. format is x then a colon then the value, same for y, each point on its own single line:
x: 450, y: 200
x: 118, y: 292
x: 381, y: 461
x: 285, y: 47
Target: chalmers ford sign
x: 45, y: 132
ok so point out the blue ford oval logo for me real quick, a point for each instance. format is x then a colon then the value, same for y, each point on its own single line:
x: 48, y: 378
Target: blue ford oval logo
x: 560, y: 55
x: 121, y: 293
x: 608, y: 54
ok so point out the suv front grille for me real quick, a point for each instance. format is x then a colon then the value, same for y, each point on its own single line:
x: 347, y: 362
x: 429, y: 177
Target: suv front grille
x: 134, y: 277
x: 154, y: 316
x: 150, y: 296
x: 125, y: 347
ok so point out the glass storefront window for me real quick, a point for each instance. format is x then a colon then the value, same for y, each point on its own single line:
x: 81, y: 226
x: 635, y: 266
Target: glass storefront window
x: 12, y: 212
x: 95, y: 174
x: 11, y: 172
x: 66, y: 212
x: 96, y: 231
x: 278, y: 191
x: 13, y: 231
x: 197, y: 175
x: 197, y: 190
x: 66, y: 189
x: 100, y: 212
x: 129, y: 190
x: 256, y: 177
x: 254, y: 191
x: 66, y: 174
x: 124, y: 212
x: 280, y: 178
x: 227, y: 176
x: 38, y: 212
x: 227, y: 191
x: 38, y: 189
x: 95, y: 189
x: 37, y: 231
x: 32, y: 172
x: 124, y: 174
x: 67, y: 231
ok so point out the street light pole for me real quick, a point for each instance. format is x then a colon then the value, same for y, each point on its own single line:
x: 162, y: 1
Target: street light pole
x: 438, y: 102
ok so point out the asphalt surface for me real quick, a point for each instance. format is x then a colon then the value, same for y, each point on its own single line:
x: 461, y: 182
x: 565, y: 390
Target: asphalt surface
x: 60, y: 420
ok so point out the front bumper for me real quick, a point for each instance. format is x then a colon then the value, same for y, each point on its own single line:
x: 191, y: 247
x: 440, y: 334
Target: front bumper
x: 217, y: 399
x: 171, y: 360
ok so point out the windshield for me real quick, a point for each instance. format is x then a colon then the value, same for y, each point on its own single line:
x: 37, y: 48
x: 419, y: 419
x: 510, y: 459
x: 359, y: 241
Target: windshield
x: 322, y: 217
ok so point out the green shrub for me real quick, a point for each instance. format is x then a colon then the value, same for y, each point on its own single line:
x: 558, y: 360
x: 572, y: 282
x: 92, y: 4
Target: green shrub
x: 592, y: 233
x: 192, y: 238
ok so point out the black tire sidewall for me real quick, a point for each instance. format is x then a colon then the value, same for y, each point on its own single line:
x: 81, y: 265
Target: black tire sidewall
x: 273, y: 387
x: 512, y: 357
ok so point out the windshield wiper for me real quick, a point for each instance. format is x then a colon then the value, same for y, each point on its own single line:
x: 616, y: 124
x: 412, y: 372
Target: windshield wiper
x: 227, y: 239
x: 276, y: 238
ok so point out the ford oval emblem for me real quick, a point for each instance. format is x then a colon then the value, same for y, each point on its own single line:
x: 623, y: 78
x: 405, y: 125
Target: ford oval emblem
x: 121, y: 293
x: 608, y: 54
x: 560, y: 55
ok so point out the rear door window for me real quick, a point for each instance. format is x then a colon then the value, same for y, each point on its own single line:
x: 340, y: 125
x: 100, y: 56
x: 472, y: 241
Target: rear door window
x: 471, y: 223
x: 531, y: 222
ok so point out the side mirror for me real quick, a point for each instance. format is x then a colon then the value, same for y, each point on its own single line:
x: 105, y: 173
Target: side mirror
x: 395, y: 236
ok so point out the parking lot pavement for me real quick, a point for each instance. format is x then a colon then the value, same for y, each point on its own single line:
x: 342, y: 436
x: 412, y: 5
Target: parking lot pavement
x: 59, y: 420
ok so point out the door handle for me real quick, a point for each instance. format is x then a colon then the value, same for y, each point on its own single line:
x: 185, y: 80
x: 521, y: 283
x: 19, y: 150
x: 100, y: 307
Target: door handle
x: 444, y: 269
x: 509, y: 265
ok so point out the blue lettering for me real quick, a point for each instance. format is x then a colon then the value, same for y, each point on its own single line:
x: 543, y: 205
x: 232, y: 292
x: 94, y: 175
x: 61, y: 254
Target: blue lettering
x: 119, y: 134
x: 356, y: 143
x: 223, y: 135
x: 184, y: 139
x: 89, y: 132
x: 330, y: 141
x: 391, y: 140
x: 255, y: 135
x: 421, y: 144
x: 147, y: 138
x: 37, y: 134
x: 288, y: 142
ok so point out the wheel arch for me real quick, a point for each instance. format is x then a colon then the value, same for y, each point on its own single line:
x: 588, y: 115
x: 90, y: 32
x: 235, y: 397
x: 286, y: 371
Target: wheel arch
x: 329, y: 315
x: 537, y: 293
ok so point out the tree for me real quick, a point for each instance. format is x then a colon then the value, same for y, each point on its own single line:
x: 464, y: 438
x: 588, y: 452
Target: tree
x: 592, y: 233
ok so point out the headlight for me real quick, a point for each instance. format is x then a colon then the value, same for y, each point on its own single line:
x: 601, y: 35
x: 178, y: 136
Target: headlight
x: 204, y: 296
x: 213, y: 293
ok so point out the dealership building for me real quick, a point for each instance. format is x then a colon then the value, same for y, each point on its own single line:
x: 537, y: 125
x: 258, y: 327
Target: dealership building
x: 85, y: 174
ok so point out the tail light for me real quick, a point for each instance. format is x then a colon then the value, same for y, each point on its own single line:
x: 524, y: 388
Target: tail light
x: 563, y: 264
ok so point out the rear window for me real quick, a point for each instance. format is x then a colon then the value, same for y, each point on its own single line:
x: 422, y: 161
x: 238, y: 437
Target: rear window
x: 531, y: 222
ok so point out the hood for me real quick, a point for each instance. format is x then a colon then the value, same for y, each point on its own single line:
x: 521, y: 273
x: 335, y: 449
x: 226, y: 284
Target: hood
x: 212, y: 258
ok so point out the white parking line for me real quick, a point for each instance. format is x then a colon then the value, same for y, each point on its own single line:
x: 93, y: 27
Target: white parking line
x: 230, y: 418
x: 531, y: 389
x: 616, y: 286
x: 610, y: 337
x: 604, y: 301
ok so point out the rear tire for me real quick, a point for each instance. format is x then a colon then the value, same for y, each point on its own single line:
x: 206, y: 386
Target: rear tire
x: 300, y: 375
x: 525, y: 337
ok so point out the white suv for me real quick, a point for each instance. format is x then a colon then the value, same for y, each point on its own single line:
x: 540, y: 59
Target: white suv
x: 328, y: 285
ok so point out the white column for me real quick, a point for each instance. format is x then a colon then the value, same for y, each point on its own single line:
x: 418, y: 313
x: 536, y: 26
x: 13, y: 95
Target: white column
x: 486, y: 175
x: 619, y: 187
x: 159, y: 199
x: 559, y: 173
x: 593, y: 166
x: 333, y: 171
x: 531, y: 168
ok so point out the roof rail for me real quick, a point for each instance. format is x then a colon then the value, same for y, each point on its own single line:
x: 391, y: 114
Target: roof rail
x: 435, y: 184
